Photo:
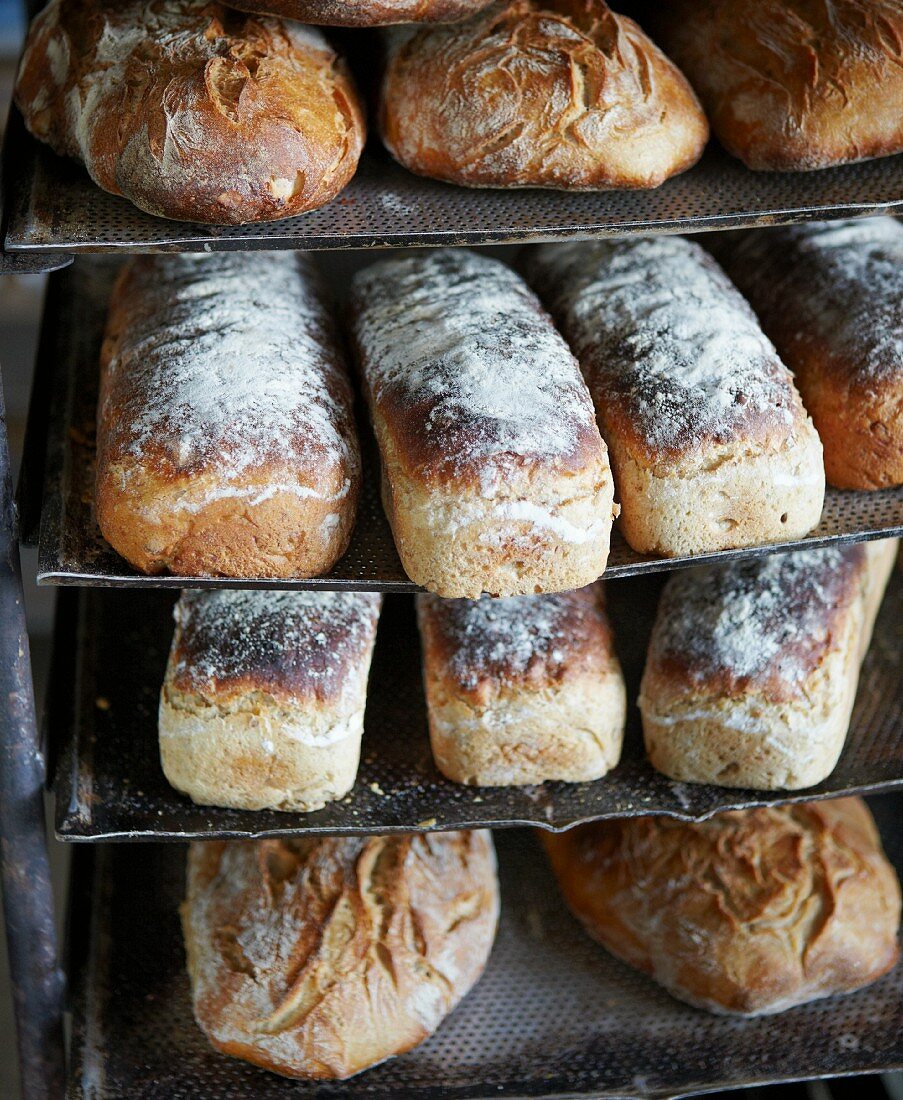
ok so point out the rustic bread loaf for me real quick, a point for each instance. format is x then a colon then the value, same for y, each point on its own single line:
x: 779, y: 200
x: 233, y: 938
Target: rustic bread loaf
x: 319, y: 957
x: 226, y: 442
x: 710, y: 446
x: 753, y: 666
x: 830, y: 295
x: 522, y: 690
x: 495, y: 478
x: 262, y: 706
x: 792, y: 85
x: 366, y: 13
x: 748, y: 913
x: 540, y: 93
x: 190, y: 110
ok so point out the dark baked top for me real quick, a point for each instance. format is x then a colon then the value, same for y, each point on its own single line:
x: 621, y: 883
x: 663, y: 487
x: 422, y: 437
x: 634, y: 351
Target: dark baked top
x: 294, y: 646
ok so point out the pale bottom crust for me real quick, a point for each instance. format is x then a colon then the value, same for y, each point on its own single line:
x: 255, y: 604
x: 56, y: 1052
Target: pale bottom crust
x: 256, y: 755
x: 571, y: 732
x: 743, y: 500
x: 460, y: 544
x: 755, y: 742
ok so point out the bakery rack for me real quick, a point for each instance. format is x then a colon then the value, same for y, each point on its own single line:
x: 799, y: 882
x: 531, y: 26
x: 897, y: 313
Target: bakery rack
x: 553, y: 1016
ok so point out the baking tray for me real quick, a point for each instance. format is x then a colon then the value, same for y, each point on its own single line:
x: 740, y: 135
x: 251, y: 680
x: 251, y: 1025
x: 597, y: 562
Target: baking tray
x: 73, y: 552
x: 553, y: 1016
x: 110, y: 786
x: 54, y: 207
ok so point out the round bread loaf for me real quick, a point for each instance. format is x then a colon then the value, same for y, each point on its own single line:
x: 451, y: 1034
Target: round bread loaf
x: 318, y: 958
x: 366, y: 13
x: 190, y: 110
x: 540, y: 93
x: 750, y: 912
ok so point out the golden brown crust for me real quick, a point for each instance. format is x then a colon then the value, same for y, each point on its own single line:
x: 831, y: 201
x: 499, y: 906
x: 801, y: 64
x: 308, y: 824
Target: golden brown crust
x: 792, y: 85
x: 226, y: 442
x: 540, y: 93
x: 367, y: 13
x: 190, y: 110
x: 830, y: 295
x: 317, y: 958
x: 749, y: 912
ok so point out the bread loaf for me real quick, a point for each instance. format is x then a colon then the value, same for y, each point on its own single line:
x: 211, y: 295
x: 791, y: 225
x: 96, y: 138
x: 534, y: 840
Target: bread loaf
x: 540, y: 93
x: 748, y: 913
x: 225, y: 439
x: 190, y: 110
x: 262, y: 706
x: 792, y: 85
x: 830, y: 295
x: 495, y: 478
x: 366, y: 13
x: 319, y: 957
x: 753, y: 666
x: 522, y: 690
x: 710, y: 446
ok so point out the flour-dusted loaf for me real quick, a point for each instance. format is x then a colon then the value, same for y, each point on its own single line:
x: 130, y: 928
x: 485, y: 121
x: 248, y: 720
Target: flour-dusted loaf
x: 753, y: 666
x: 710, y: 446
x: 319, y: 957
x: 540, y: 93
x: 792, y: 85
x: 190, y: 110
x: 495, y: 478
x: 226, y: 442
x: 522, y: 690
x: 263, y: 702
x: 748, y: 913
x: 366, y: 13
x: 830, y: 295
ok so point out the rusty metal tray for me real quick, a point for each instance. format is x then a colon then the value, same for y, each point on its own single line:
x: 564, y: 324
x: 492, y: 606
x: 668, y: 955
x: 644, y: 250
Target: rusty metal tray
x: 553, y: 1016
x: 110, y: 786
x: 54, y: 207
x: 60, y: 457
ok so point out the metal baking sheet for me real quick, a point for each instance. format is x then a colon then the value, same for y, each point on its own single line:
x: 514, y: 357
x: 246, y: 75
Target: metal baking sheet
x: 110, y: 786
x: 553, y: 1016
x: 73, y: 552
x: 54, y: 207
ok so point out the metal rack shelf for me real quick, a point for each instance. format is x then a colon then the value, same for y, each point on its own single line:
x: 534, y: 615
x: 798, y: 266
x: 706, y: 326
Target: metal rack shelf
x: 553, y: 1016
x: 55, y: 208
x: 110, y: 786
x: 60, y: 459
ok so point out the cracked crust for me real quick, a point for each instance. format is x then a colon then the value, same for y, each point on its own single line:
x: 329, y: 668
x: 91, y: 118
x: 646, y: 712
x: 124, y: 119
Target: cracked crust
x: 190, y: 110
x: 522, y: 690
x: 748, y: 913
x: 318, y: 958
x: 540, y: 93
x: 366, y: 13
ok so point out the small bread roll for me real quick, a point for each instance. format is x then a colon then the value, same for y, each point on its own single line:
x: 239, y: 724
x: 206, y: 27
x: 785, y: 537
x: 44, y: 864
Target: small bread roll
x: 366, y: 13
x: 753, y: 666
x: 319, y: 957
x: 495, y: 478
x: 710, y: 445
x: 791, y: 85
x: 190, y: 111
x: 226, y: 443
x: 522, y: 690
x: 263, y: 702
x: 748, y: 913
x: 830, y: 295
x: 540, y: 93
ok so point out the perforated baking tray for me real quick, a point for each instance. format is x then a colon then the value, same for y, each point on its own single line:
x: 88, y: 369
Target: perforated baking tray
x: 109, y: 784
x: 553, y: 1016
x: 73, y: 552
x: 54, y: 206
